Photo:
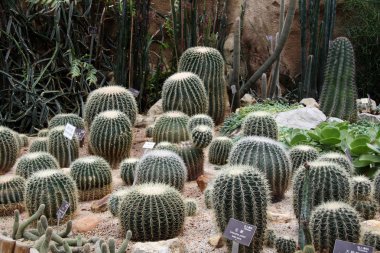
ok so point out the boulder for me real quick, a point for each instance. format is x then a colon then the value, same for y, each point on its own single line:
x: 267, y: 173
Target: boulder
x: 85, y: 224
x: 247, y: 99
x: 100, y: 205
x: 303, y: 118
x: 309, y: 102
x: 217, y: 241
x: 169, y: 246
x: 143, y: 121
x: 366, y: 105
x: 156, y: 109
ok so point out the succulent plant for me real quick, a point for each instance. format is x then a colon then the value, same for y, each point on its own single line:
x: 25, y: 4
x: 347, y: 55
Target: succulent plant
x: 164, y: 145
x: 208, y: 196
x: 372, y: 238
x: 200, y: 119
x: 308, y: 249
x: 193, y: 158
x: 339, y: 219
x: 111, y: 136
x: 63, y: 149
x: 208, y: 64
x: 128, y: 170
x: 341, y: 159
x: 184, y: 92
x: 361, y: 188
x: 161, y: 166
x: 30, y: 163
x: 8, y: 149
x: 92, y: 175
x: 11, y: 194
x: 171, y: 127
x: 285, y: 244
x: 63, y: 118
x: 367, y: 209
x: 260, y: 123
x: 328, y: 181
x: 149, y: 131
x: 161, y: 212
x: 43, y: 133
x: 51, y: 187
x: 249, y: 192
x: 300, y: 154
x: 39, y: 144
x: 110, y: 98
x: 376, y: 182
x: 25, y: 140
x: 270, y: 238
x: 191, y: 207
x: 269, y: 157
x: 20, y: 142
x: 201, y: 136
x: 219, y: 150
x: 115, y: 200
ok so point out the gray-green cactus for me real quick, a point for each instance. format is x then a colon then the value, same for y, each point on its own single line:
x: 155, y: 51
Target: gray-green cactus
x: 208, y: 196
x: 260, y: 123
x: 200, y: 119
x: 128, y: 170
x: 164, y: 145
x: 115, y: 200
x: 367, y: 209
x: 193, y: 158
x: 301, y: 154
x: 376, y: 192
x: 149, y: 131
x: 39, y: 144
x: 372, y: 238
x: 249, y: 192
x: 11, y: 194
x: 43, y: 132
x: 30, y: 163
x: 191, y: 207
x: 219, y: 150
x: 285, y: 244
x: 270, y: 238
x: 9, y: 149
x: 361, y: 188
x: 161, y: 212
x: 25, y: 140
x: 339, y: 219
x: 171, y: 127
x: 339, y: 158
x: 63, y: 118
x: 201, y: 136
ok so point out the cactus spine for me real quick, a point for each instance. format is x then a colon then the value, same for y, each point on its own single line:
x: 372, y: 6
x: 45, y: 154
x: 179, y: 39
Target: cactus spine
x: 115, y: 200
x: 301, y: 154
x: 8, y: 149
x: 171, y: 127
x: 39, y: 145
x: 219, y: 149
x: 30, y: 163
x: 260, y: 124
x: 193, y: 158
x: 285, y: 245
x: 25, y: 140
x: 128, y: 170
x: 372, y: 238
x: 191, y: 207
x: 338, y: 158
x: 43, y: 133
x: 63, y: 118
x: 164, y: 145
x: 201, y: 136
x: 11, y: 194
x: 200, y: 119
x: 362, y: 201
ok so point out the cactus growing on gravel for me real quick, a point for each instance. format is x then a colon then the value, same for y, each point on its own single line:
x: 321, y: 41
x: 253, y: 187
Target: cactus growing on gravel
x: 11, y: 194
x: 200, y: 119
x: 128, y: 170
x: 260, y: 123
x: 201, y: 136
x: 51, y: 187
x: 248, y: 190
x: 285, y: 245
x: 372, y: 238
x: 161, y: 212
x: 376, y: 182
x: 193, y: 158
x: 43, y: 133
x: 111, y: 136
x: 8, y: 149
x: 30, y: 163
x: 300, y: 154
x: 184, y: 92
x: 339, y: 219
x: 115, y: 200
x: 63, y: 149
x: 164, y: 145
x: 269, y: 157
x: 339, y: 76
x: 92, y: 175
x: 171, y: 127
x: 339, y: 158
x: 208, y: 64
x: 110, y: 98
x: 39, y: 144
x: 219, y: 150
x: 191, y: 207
x: 208, y: 196
x: 63, y: 118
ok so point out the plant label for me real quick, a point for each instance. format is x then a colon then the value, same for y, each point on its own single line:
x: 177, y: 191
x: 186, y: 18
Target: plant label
x: 69, y: 131
x: 134, y: 92
x: 233, y: 89
x: 80, y: 133
x: 239, y: 232
x: 149, y: 145
x: 349, y: 247
x: 63, y: 209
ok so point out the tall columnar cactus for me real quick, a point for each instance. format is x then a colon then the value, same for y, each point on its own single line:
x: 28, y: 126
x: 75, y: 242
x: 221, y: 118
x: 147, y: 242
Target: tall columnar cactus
x: 376, y: 182
x: 164, y: 145
x: 110, y: 98
x: 269, y: 157
x: 200, y: 119
x: 43, y: 133
x: 128, y: 169
x: 63, y: 118
x: 39, y: 144
x: 201, y: 136
x: 51, y: 187
x: 111, y: 136
x: 63, y: 149
x: 8, y: 149
x: 219, y: 150
x: 340, y: 76
x: 193, y: 158
x: 171, y: 127
x: 184, y: 92
x: 339, y: 219
x: 29, y: 164
x: 285, y: 245
x: 301, y: 154
x: 248, y: 190
x: 328, y: 181
x: 115, y: 200
x: 161, y: 212
x: 25, y: 140
x: 362, y: 201
x: 339, y: 158
x: 11, y: 194
x: 260, y: 124
x: 372, y: 238
x: 162, y: 166
x: 208, y: 64
x: 92, y: 175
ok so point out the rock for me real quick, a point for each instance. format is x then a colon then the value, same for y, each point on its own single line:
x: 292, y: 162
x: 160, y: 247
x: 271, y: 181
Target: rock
x: 169, y: 246
x: 309, y: 102
x: 85, y: 224
x: 101, y: 205
x: 247, y: 99
x: 143, y: 121
x: 366, y: 105
x: 304, y: 118
x: 217, y: 241
x: 202, y: 182
x: 156, y: 109
x: 369, y: 117
x: 279, y: 217
x: 333, y: 119
x: 370, y: 225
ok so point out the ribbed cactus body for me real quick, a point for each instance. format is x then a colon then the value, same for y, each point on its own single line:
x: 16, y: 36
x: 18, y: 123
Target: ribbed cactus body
x: 171, y: 127
x: 200, y: 119
x: 208, y: 64
x: 11, y: 194
x: 92, y: 175
x: 247, y: 200
x: 191, y: 207
x: 43, y: 133
x: 149, y: 131
x: 164, y: 145
x: 338, y: 96
x: 193, y: 158
x: 219, y: 150
x: 331, y: 221
x: 162, y: 166
x: 208, y: 196
x: 184, y: 92
x: 51, y: 187
x: 285, y: 245
x: 376, y: 183
x: 270, y: 238
x: 301, y: 154
x: 160, y: 216
x: 361, y: 188
x: 39, y: 144
x: 367, y: 209
x: 115, y: 200
x: 63, y: 118
x: 110, y: 98
x: 128, y: 169
x: 25, y: 140
x: 111, y: 136
x: 31, y: 163
x: 201, y: 136
x: 338, y: 158
x: 269, y: 157
x: 260, y: 124
x: 372, y: 238
x: 63, y: 149
x: 8, y: 149
x: 20, y: 142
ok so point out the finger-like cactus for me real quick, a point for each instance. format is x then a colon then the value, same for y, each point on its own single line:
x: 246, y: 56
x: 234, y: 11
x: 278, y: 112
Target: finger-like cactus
x: 110, y: 98
x: 160, y: 216
x: 339, y: 219
x: 115, y: 200
x: 92, y: 175
x: 201, y: 136
x: 30, y: 163
x: 200, y: 119
x: 193, y: 158
x: 171, y: 127
x: 247, y: 200
x: 285, y: 245
x: 260, y: 124
x: 184, y: 92
x: 269, y: 157
x: 111, y: 136
x: 11, y: 194
x: 341, y: 159
x: 25, y: 140
x: 301, y: 154
x: 376, y: 182
x: 8, y: 149
x: 372, y: 238
x: 43, y: 133
x: 219, y: 150
x: 128, y: 170
x: 39, y: 145
x: 63, y: 118
x: 63, y: 149
x: 208, y: 64
x: 191, y: 207
x: 164, y: 145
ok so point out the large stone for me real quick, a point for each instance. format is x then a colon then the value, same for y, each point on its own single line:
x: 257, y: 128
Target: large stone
x: 309, y: 102
x: 366, y: 105
x: 247, y: 99
x: 217, y: 241
x: 169, y: 246
x: 156, y: 109
x: 143, y: 121
x: 202, y: 182
x: 85, y: 224
x: 303, y: 118
x: 370, y: 225
x: 100, y: 205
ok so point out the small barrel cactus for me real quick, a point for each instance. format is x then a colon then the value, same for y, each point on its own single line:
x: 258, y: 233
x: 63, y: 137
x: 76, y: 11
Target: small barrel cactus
x: 171, y: 127
x: 376, y: 182
x: 372, y: 238
x: 110, y: 98
x: 308, y: 249
x: 11, y: 194
x: 193, y: 158
x: 367, y: 209
x: 63, y: 149
x: 184, y: 92
x: 164, y: 145
x: 301, y: 154
x: 200, y: 119
x: 339, y: 219
x: 63, y: 118
x: 201, y: 136
x: 341, y: 159
x: 51, y: 187
x: 8, y: 149
x: 270, y: 238
x: 39, y: 145
x: 191, y: 207
x: 30, y: 163
x: 149, y: 131
x: 219, y: 150
x: 128, y: 170
x: 285, y: 245
x: 25, y: 140
x: 361, y: 188
x: 161, y: 166
x: 208, y: 196
x: 92, y: 175
x: 43, y: 133
x: 115, y: 200
x: 260, y: 124
x: 111, y: 136
x: 161, y: 214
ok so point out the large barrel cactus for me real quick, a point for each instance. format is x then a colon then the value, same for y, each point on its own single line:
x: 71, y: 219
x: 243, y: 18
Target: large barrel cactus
x: 39, y: 144
x: 63, y: 118
x: 171, y: 127
x: 201, y: 136
x: 200, y: 119
x: 219, y: 150
x: 128, y: 170
x: 30, y: 163
x: 193, y: 158
x: 260, y: 124
x: 9, y: 149
x: 165, y: 145
x: 208, y: 64
x: 338, y: 96
x: 11, y: 194
x: 301, y: 154
x: 63, y: 149
x: 338, y: 158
